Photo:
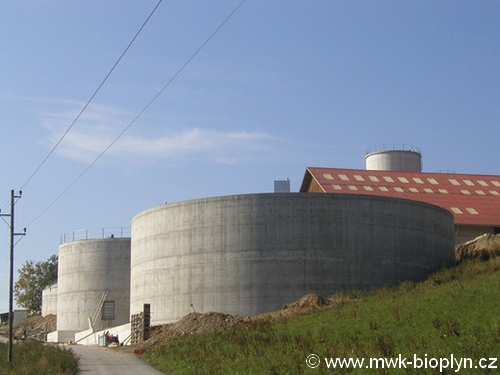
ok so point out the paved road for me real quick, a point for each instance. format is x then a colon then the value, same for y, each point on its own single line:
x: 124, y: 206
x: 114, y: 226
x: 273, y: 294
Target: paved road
x: 95, y: 360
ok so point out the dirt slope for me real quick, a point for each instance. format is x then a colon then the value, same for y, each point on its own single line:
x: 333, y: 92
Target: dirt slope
x: 36, y: 326
x: 483, y: 247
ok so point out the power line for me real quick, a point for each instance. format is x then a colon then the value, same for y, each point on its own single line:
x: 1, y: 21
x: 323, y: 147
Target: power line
x: 92, y: 96
x: 141, y: 112
x: 89, y: 100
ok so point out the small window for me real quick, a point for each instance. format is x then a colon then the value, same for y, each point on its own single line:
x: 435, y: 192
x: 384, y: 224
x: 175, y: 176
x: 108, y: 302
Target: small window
x: 108, y: 310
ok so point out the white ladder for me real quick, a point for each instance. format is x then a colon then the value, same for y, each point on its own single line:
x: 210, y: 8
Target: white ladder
x: 98, y: 310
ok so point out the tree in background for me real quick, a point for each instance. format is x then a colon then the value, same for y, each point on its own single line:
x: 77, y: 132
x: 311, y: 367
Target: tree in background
x: 33, y: 278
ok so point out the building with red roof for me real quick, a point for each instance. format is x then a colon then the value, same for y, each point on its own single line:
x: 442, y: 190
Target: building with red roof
x: 474, y: 200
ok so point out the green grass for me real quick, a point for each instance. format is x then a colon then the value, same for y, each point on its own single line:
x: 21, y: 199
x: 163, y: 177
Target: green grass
x: 455, y: 311
x: 33, y: 357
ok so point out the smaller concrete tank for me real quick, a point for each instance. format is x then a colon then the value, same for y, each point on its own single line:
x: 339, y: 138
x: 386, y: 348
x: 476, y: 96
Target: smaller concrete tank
x: 93, y: 284
x: 49, y: 300
x: 403, y: 160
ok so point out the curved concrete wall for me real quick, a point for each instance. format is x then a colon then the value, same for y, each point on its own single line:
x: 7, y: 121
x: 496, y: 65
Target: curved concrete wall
x: 394, y: 160
x: 49, y: 300
x: 87, y: 269
x: 248, y: 254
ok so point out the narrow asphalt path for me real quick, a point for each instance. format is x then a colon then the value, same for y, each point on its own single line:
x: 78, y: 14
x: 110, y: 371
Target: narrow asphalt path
x: 95, y: 360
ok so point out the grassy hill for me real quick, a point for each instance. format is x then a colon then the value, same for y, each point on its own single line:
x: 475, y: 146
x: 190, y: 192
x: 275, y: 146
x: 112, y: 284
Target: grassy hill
x: 452, y: 321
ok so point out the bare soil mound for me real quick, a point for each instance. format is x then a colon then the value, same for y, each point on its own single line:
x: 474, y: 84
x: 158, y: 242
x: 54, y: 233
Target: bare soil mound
x: 196, y: 323
x: 483, y: 247
x: 193, y: 323
x: 36, y: 326
x: 309, y: 301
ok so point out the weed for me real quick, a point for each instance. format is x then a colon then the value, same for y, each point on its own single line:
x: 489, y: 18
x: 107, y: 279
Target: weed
x: 407, y: 286
x: 453, y: 327
x: 436, y: 322
x: 495, y: 334
x: 396, y: 313
x: 350, y: 294
x: 385, y: 345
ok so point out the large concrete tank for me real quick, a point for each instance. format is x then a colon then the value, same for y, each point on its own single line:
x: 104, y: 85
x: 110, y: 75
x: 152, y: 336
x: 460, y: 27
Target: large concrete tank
x: 394, y: 160
x: 248, y: 254
x: 93, y: 283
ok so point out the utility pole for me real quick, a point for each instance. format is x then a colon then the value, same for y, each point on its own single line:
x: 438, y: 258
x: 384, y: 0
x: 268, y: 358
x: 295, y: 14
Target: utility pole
x: 13, y: 197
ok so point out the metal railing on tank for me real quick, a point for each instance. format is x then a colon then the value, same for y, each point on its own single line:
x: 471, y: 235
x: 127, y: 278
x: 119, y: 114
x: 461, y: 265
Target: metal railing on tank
x: 393, y: 146
x: 95, y: 233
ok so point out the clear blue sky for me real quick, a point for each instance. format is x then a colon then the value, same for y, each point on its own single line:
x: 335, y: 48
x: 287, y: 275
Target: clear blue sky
x: 283, y: 85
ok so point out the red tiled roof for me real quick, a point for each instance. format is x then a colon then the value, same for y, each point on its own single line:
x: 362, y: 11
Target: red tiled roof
x: 472, y: 199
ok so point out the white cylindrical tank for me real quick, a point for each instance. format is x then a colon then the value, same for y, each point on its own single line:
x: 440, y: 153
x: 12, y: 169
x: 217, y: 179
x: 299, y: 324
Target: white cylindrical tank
x: 249, y: 254
x: 394, y: 160
x: 93, y: 283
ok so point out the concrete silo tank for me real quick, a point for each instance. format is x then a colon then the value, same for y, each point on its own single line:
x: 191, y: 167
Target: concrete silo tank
x: 93, y: 283
x: 248, y: 254
x: 394, y: 160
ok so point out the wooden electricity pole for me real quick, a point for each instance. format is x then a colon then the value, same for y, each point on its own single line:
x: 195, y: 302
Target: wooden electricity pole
x: 13, y: 197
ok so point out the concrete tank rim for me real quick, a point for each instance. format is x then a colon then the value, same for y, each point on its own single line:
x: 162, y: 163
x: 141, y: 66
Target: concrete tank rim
x: 392, y: 152
x: 124, y: 239
x: 291, y: 195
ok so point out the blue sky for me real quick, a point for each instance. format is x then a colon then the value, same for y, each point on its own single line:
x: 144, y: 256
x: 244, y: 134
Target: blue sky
x: 283, y: 85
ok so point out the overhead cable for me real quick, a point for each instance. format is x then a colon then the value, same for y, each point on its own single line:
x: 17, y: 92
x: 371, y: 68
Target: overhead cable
x: 92, y: 96
x: 141, y: 112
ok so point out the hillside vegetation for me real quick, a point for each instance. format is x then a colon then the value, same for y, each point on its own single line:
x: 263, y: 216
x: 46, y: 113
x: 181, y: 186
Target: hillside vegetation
x: 33, y: 357
x: 453, y: 316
